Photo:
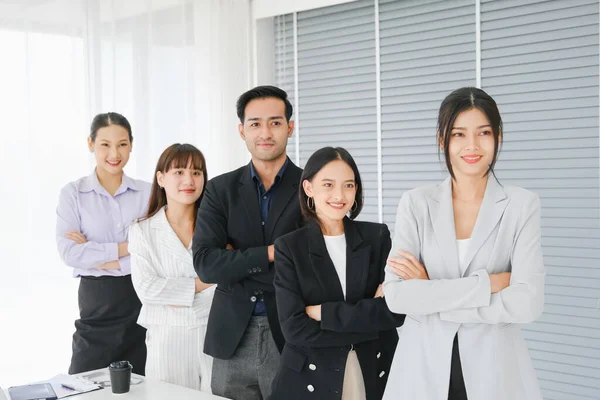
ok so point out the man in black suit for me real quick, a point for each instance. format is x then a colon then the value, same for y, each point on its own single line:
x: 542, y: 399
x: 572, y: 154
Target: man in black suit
x: 241, y: 215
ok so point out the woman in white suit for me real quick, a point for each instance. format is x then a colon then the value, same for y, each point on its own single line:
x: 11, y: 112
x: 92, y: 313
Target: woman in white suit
x: 468, y: 270
x: 175, y: 303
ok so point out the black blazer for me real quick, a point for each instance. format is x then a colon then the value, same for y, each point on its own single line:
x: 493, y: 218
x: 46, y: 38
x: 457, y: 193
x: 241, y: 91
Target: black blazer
x: 314, y: 357
x: 230, y: 213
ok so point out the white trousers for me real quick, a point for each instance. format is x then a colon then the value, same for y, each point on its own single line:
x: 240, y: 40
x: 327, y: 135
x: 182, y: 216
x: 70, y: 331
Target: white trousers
x: 175, y: 355
x: 354, y: 384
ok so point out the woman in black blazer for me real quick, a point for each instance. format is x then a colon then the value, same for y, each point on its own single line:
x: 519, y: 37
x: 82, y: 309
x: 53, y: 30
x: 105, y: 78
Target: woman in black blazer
x: 340, y: 335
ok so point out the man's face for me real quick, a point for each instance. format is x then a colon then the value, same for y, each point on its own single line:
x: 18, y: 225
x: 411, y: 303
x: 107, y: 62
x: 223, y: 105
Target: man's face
x: 265, y: 129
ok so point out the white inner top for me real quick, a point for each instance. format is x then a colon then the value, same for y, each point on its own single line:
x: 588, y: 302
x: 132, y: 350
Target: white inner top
x: 462, y: 246
x: 336, y: 247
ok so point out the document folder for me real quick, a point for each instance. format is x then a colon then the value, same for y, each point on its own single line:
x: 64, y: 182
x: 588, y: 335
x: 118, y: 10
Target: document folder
x: 32, y: 392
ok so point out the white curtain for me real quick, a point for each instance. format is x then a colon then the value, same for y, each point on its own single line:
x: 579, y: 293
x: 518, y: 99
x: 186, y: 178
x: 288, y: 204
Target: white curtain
x: 174, y: 68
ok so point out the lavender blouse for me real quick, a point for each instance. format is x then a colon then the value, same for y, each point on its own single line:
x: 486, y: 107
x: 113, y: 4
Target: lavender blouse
x: 85, y: 206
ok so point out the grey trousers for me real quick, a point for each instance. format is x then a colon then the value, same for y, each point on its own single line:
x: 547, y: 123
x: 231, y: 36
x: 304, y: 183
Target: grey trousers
x: 249, y: 373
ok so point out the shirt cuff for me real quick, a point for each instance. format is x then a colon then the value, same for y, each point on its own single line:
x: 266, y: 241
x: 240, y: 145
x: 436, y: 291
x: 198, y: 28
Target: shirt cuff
x: 125, y: 263
x: 111, y: 251
x: 485, y: 296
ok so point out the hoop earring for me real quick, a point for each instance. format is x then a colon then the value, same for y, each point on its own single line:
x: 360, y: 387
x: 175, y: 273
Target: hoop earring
x: 355, y: 206
x: 308, y: 203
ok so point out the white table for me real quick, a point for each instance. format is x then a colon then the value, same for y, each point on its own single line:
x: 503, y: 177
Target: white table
x: 148, y: 389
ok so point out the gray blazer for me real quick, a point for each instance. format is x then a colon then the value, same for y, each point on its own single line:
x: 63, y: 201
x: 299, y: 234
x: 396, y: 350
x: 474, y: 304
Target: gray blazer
x: 506, y: 237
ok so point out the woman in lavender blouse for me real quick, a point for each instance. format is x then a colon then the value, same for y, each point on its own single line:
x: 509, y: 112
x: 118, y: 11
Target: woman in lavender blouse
x: 93, y: 218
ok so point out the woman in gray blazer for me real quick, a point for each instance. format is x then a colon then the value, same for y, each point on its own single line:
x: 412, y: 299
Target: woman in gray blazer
x: 469, y: 270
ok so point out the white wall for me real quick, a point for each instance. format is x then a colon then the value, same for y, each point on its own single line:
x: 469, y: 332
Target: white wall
x: 175, y: 71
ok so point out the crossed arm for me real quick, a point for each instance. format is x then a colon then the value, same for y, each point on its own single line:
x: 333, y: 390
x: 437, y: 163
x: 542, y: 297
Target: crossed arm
x: 515, y: 297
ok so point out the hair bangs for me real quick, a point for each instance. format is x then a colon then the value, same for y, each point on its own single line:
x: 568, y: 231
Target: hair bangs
x: 184, y: 156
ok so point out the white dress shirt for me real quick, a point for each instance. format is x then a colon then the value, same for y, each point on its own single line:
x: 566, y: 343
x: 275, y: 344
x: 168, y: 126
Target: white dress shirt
x: 462, y: 245
x: 336, y: 247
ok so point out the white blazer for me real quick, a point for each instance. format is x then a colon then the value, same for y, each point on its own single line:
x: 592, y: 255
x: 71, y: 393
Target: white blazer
x: 163, y: 274
x: 494, y: 356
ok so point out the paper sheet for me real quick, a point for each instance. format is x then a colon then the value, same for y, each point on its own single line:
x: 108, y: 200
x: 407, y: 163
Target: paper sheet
x: 61, y: 384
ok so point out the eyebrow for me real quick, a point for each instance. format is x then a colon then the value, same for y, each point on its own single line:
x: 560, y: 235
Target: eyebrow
x: 259, y: 119
x: 331, y: 180
x: 464, y: 129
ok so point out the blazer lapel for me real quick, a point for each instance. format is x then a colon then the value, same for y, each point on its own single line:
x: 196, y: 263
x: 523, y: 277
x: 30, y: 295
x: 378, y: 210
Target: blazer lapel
x: 492, y: 208
x: 442, y: 218
x: 286, y: 190
x: 357, y: 262
x: 247, y: 192
x: 321, y: 262
x: 167, y: 238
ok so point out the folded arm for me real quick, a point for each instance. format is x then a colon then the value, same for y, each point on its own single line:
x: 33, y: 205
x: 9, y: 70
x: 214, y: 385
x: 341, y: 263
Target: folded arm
x: 212, y: 261
x: 422, y: 296
x: 367, y: 315
x: 523, y: 300
x: 150, y: 287
x: 298, y: 328
x: 86, y: 255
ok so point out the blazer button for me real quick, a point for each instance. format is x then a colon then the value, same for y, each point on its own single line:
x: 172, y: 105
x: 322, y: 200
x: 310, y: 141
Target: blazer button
x: 256, y: 292
x: 259, y: 269
x: 378, y: 354
x: 253, y: 269
x: 253, y: 299
x: 381, y: 374
x: 312, y: 367
x: 310, y: 388
x: 250, y: 270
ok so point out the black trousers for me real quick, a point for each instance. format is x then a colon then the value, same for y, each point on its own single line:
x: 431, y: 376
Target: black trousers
x: 107, y: 329
x: 457, y: 389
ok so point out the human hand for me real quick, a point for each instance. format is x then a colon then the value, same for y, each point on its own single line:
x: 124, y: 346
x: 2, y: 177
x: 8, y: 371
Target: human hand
x: 271, y: 253
x: 314, y: 312
x: 76, y: 236
x: 123, y: 249
x: 499, y: 281
x: 407, y: 266
x: 110, y: 265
